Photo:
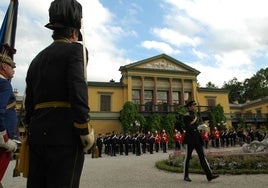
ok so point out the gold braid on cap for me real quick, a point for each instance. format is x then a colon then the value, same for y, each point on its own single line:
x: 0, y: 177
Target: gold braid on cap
x: 6, y: 59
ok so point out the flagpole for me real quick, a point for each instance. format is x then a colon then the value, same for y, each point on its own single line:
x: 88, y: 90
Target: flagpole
x: 84, y: 50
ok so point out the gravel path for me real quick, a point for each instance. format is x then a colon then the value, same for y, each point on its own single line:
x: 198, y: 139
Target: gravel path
x: 140, y: 172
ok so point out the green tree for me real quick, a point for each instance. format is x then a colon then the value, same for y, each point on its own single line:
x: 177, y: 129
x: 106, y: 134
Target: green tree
x: 236, y: 90
x: 128, y: 116
x: 140, y: 119
x: 257, y: 86
x: 250, y: 89
x: 211, y: 85
x: 217, y: 117
x: 154, y: 122
x: 180, y: 112
x: 168, y: 123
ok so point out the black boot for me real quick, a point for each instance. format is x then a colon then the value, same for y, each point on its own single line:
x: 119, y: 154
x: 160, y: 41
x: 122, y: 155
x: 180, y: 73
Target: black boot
x: 187, y: 179
x: 213, y: 176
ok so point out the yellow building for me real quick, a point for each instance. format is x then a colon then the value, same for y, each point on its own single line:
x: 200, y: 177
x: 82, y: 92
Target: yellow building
x: 250, y: 114
x: 157, y: 85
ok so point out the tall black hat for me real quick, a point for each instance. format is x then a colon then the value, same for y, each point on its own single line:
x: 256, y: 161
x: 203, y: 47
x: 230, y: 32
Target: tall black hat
x: 65, y: 14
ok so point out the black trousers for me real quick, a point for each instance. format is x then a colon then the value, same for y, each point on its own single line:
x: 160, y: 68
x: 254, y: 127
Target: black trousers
x: 201, y: 156
x: 55, y: 166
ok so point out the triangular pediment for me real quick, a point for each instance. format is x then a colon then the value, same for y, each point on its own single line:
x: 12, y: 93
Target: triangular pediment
x: 161, y: 62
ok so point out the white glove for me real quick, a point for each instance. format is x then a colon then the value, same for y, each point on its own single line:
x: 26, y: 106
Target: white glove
x: 202, y: 127
x: 6, y: 143
x: 87, y: 140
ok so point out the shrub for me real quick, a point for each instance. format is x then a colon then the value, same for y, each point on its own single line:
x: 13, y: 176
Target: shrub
x: 221, y: 163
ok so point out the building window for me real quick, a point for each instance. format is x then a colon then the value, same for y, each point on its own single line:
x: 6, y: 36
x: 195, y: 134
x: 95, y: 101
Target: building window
x: 148, y: 100
x: 258, y: 113
x: 187, y: 96
x: 249, y: 114
x: 211, y: 101
x: 162, y: 98
x: 176, y: 97
x: 148, y: 96
x: 105, y: 103
x: 136, y: 96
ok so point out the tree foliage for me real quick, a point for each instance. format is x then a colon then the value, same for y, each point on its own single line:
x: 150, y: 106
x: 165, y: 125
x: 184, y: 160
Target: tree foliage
x: 211, y: 85
x: 180, y: 112
x: 217, y: 116
x: 250, y: 89
x: 154, y: 122
x: 128, y: 116
x: 168, y: 123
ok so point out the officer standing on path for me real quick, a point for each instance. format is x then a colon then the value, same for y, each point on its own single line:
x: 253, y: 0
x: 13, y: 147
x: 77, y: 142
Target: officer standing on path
x: 56, y: 103
x: 8, y: 114
x: 193, y: 140
x: 99, y: 143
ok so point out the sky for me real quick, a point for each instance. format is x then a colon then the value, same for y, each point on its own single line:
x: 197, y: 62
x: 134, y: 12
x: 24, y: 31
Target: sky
x: 223, y: 39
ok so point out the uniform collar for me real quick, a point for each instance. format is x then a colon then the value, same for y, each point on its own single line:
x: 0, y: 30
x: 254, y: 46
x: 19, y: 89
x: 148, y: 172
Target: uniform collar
x: 1, y: 76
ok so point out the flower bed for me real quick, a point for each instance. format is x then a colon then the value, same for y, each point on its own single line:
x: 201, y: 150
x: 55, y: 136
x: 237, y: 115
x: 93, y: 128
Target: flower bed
x: 220, y: 162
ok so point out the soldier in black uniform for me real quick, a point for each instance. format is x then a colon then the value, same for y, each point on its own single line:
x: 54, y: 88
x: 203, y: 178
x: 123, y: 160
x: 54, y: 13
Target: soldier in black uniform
x: 193, y: 140
x: 121, y: 143
x: 114, y: 141
x: 143, y: 142
x: 127, y: 141
x: 99, y: 143
x: 56, y: 103
x: 138, y: 143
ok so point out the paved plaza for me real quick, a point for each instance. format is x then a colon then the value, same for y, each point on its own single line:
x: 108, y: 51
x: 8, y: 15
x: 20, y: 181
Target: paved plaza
x: 140, y: 172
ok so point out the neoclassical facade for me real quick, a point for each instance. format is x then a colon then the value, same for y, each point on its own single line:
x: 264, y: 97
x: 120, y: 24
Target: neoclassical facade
x: 157, y: 85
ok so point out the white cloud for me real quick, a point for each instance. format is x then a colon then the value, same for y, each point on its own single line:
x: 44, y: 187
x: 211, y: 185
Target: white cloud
x: 159, y: 46
x: 175, y: 38
x: 232, y: 35
x: 222, y: 38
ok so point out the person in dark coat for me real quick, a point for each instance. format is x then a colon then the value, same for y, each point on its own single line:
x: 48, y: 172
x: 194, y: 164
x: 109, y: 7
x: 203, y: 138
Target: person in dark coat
x: 193, y: 140
x: 56, y: 103
x: 99, y: 143
x: 127, y: 141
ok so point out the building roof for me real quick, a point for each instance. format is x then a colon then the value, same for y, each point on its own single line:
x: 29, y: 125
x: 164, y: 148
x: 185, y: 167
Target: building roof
x: 167, y: 64
x: 250, y: 103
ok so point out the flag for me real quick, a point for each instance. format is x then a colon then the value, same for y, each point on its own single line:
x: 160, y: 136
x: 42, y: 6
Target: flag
x: 8, y: 29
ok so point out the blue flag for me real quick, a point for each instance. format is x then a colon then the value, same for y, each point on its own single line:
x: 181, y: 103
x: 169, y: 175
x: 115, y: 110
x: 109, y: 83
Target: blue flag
x: 8, y: 29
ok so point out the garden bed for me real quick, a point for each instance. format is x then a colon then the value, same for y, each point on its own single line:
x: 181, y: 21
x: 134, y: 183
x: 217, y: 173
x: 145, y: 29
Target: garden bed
x: 221, y: 162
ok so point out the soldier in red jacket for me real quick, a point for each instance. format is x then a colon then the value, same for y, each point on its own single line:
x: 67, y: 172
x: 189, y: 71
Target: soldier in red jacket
x: 205, y: 137
x: 216, y: 136
x: 157, y: 141
x: 164, y: 140
x: 177, y: 137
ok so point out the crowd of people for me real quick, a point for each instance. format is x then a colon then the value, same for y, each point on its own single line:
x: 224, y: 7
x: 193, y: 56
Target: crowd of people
x: 112, y: 144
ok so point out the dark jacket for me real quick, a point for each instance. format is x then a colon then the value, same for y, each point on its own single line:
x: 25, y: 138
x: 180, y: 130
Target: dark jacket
x: 57, y: 74
x: 8, y: 114
x: 192, y: 135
